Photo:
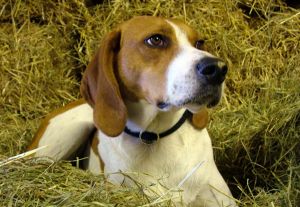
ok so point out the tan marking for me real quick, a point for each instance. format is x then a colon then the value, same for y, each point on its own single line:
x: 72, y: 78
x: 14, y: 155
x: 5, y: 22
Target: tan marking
x: 200, y: 119
x: 35, y: 142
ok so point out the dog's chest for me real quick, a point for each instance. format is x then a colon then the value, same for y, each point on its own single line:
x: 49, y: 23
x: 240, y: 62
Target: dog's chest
x: 170, y: 159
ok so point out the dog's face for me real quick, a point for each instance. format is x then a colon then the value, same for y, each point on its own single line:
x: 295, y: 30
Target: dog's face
x: 161, y: 61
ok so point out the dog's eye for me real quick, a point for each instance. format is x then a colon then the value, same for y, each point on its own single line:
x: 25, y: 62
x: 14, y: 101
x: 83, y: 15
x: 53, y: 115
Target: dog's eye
x: 199, y: 44
x: 156, y: 40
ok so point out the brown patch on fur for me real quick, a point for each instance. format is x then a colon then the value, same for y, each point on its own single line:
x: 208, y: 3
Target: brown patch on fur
x: 34, y: 144
x: 200, y: 119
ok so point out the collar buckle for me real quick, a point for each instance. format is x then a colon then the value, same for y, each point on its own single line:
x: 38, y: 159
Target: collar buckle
x: 148, y: 137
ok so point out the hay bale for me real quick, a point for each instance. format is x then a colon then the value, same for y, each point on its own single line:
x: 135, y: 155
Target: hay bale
x: 45, y: 46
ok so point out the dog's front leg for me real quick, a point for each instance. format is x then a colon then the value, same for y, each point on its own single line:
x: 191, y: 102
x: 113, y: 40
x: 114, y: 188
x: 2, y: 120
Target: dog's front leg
x: 215, y: 193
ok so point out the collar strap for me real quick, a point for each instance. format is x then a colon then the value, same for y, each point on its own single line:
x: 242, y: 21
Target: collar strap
x: 149, y: 137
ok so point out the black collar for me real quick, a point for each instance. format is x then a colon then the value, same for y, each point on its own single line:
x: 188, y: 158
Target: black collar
x: 149, y: 137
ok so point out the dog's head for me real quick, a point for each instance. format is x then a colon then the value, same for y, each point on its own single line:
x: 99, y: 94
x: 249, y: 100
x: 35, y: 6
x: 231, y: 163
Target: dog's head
x: 147, y: 58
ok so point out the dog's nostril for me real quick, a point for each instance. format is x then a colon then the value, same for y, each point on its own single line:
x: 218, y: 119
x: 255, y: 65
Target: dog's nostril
x: 209, y: 70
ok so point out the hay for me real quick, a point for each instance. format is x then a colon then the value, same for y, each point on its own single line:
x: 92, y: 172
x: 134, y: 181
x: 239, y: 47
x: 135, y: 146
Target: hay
x: 47, y: 183
x: 45, y: 45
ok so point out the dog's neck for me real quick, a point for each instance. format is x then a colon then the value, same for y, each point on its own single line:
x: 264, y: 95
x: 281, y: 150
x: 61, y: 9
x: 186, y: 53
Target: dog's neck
x: 143, y: 116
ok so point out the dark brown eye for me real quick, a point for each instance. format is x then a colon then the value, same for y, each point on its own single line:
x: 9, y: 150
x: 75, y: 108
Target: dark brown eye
x: 156, y: 40
x: 199, y: 44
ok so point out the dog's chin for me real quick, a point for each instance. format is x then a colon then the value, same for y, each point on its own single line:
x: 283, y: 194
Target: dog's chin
x: 196, y: 104
x: 194, y: 108
x: 193, y: 104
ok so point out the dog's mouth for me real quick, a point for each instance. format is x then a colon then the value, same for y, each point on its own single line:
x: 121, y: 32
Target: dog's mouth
x: 208, y: 98
x: 209, y: 101
x: 197, y: 102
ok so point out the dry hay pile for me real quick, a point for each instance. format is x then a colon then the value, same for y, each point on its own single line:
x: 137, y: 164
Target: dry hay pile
x: 45, y: 46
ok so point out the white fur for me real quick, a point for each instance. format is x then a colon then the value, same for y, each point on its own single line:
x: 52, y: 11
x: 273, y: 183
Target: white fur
x: 93, y: 164
x: 66, y: 132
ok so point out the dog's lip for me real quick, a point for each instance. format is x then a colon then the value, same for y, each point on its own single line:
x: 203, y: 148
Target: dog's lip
x: 209, y: 102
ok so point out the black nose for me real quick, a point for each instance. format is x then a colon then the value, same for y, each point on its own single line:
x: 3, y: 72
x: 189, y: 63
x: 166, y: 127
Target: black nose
x: 212, y: 69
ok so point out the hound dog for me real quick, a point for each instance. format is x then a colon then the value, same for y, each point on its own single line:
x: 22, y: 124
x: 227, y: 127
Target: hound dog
x: 145, y: 92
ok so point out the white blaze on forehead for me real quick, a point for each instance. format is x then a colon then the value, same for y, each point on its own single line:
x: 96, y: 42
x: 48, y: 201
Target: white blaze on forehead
x: 184, y: 43
x: 181, y: 35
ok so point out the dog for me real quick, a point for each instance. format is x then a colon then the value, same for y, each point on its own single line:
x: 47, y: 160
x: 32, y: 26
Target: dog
x: 144, y: 110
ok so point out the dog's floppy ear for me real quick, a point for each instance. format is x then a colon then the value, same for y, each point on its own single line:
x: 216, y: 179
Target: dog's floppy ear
x: 100, y: 88
x: 200, y: 119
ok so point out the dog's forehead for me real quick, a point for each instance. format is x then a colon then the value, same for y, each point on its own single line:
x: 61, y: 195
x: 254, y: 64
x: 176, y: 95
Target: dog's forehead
x: 144, y: 23
x: 183, y: 28
x: 144, y: 26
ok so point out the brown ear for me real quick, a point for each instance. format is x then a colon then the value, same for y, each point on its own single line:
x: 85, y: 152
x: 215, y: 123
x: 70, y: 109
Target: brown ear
x: 100, y: 88
x: 200, y: 119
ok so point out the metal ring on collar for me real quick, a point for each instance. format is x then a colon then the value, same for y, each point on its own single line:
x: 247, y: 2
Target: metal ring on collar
x: 146, y: 141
